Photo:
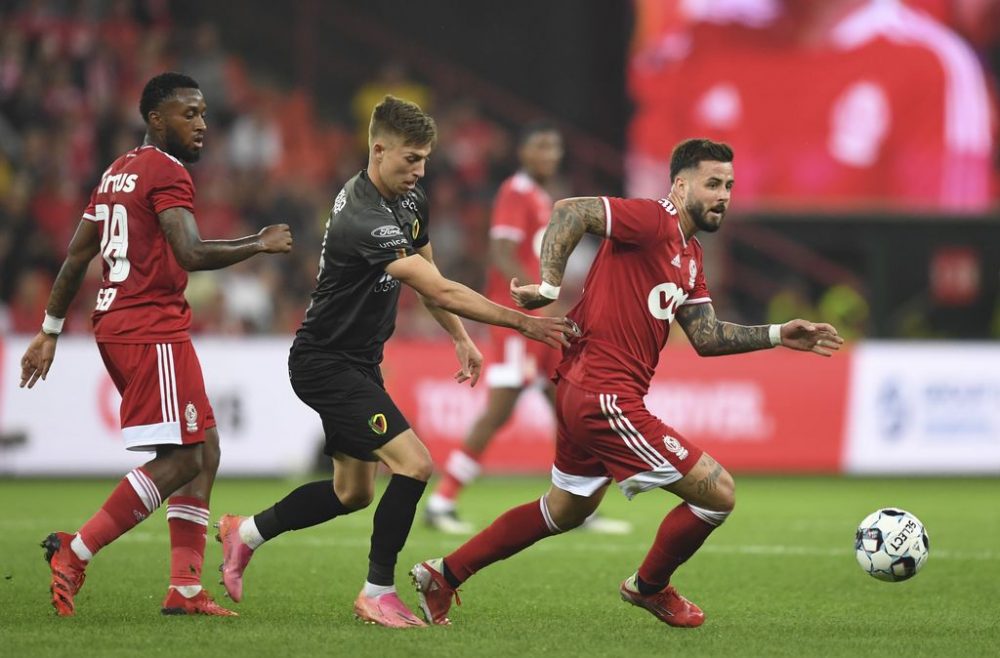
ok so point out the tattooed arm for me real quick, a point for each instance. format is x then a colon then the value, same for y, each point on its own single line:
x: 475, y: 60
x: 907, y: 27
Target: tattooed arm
x: 193, y: 253
x: 41, y: 351
x: 712, y: 337
x: 571, y: 218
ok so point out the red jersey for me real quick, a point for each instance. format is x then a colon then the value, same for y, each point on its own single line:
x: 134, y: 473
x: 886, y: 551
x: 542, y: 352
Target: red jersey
x: 643, y: 272
x: 520, y: 213
x: 142, y: 295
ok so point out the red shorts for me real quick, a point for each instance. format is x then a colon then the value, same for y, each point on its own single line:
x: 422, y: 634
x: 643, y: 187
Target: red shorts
x: 163, y: 393
x: 602, y: 436
x: 517, y: 361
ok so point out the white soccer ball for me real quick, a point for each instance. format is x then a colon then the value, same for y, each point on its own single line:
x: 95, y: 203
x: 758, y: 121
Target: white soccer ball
x: 891, y: 544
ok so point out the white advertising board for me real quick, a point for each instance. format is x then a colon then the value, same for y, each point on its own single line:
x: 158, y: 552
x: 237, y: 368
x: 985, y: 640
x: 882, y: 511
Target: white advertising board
x: 68, y: 424
x: 924, y: 408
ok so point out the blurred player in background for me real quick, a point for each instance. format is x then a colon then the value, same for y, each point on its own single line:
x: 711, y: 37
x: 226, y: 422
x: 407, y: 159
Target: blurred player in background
x: 376, y: 238
x: 648, y: 271
x: 140, y: 219
x: 520, y: 215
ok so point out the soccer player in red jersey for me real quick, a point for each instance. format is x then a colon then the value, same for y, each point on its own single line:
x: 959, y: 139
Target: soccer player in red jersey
x: 647, y: 272
x: 520, y: 215
x: 140, y: 219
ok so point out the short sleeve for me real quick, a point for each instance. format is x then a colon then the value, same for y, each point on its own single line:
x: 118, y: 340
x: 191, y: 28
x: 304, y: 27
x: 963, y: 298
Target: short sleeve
x: 699, y: 293
x: 171, y: 187
x: 511, y: 212
x: 90, y: 214
x: 637, y: 221
x: 379, y: 240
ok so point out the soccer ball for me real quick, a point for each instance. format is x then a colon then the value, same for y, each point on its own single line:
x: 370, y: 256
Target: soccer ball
x: 891, y: 545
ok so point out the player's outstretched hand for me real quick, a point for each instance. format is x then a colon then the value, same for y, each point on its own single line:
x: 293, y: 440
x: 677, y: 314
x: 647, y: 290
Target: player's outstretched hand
x: 276, y: 239
x: 551, y: 331
x: 37, y: 359
x: 527, y: 296
x: 471, y: 360
x: 817, y: 337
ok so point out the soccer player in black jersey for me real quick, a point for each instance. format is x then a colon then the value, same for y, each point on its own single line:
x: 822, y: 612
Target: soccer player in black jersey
x: 376, y: 239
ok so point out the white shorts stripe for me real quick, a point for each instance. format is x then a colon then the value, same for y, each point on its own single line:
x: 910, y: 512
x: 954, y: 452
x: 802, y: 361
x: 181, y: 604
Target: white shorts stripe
x: 159, y: 372
x: 640, y: 439
x: 173, y: 407
x: 624, y: 429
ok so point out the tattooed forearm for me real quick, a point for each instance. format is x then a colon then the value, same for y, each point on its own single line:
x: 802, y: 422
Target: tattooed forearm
x: 711, y: 337
x: 66, y: 286
x: 571, y: 218
x: 710, y: 482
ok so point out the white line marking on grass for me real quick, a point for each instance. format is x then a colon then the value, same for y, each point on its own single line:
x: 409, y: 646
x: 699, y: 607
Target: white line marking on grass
x: 449, y: 544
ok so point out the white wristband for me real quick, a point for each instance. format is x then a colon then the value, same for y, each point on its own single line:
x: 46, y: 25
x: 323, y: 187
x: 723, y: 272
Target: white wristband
x: 774, y: 333
x: 548, y: 291
x: 52, y: 326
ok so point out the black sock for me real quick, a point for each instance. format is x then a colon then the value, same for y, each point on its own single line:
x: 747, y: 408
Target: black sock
x: 391, y: 526
x: 647, y: 588
x: 309, y: 505
x: 449, y: 576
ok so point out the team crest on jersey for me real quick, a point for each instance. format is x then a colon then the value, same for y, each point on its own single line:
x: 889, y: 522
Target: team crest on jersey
x: 674, y: 446
x: 340, y: 201
x: 693, y: 271
x: 379, y: 424
x: 191, y: 417
x: 416, y: 227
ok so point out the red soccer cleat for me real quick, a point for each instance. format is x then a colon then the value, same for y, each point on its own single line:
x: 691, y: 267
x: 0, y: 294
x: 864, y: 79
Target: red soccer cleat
x: 235, y: 555
x: 199, y: 604
x: 386, y: 610
x: 67, y: 572
x: 434, y: 591
x: 666, y: 605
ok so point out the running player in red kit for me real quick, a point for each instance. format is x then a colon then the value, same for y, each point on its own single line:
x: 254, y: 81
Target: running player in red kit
x: 141, y: 221
x: 520, y: 215
x: 647, y: 272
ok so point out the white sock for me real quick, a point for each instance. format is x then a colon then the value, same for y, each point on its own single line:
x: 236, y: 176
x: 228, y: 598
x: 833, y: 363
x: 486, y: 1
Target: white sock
x: 81, y: 549
x: 250, y: 534
x: 378, y: 590
x: 438, y: 504
x: 187, y: 591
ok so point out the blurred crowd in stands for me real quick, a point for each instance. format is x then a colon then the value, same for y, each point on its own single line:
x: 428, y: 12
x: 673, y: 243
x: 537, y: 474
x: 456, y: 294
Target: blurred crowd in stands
x: 70, y: 79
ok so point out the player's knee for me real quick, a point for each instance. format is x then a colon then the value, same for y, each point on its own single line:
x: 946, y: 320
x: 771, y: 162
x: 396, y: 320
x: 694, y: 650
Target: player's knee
x: 419, y: 468
x: 186, y: 462
x: 356, y: 498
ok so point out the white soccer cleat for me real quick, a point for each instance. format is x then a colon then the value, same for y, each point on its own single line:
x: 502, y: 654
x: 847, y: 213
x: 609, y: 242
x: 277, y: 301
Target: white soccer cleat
x: 447, y: 522
x: 605, y: 526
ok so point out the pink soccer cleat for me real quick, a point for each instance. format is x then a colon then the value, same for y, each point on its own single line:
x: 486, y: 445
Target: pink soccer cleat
x: 385, y: 610
x: 199, y: 604
x: 235, y: 554
x: 666, y: 605
x: 434, y: 591
x: 67, y: 572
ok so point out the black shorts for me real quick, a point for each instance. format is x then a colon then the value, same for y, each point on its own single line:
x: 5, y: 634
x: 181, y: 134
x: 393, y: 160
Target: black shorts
x: 358, y: 415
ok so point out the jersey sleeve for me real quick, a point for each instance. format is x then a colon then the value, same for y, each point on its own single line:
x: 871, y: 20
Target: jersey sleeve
x: 699, y: 293
x: 509, y: 220
x: 170, y: 187
x: 90, y: 213
x: 421, y: 235
x: 637, y: 221
x: 379, y: 240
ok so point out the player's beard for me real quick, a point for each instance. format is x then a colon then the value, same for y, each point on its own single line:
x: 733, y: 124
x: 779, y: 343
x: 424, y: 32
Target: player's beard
x: 177, y: 148
x: 698, y: 213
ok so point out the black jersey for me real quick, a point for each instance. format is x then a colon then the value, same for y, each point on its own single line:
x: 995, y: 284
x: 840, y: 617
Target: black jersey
x: 353, y: 309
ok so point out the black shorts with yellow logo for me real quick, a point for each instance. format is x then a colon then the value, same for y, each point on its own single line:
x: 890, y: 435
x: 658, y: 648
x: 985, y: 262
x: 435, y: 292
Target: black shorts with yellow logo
x: 358, y: 415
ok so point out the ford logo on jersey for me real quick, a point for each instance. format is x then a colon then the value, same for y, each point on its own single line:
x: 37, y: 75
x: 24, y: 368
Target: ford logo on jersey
x: 387, y: 231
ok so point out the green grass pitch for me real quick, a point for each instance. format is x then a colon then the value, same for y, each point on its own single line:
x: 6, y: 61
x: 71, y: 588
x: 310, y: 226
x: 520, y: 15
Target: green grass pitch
x: 778, y: 579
